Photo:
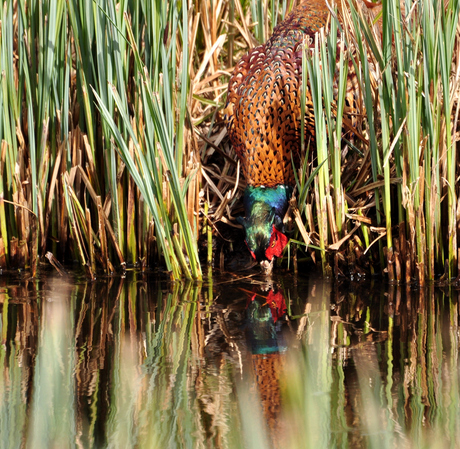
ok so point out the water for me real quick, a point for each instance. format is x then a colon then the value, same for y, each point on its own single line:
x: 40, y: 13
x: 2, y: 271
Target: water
x: 233, y: 363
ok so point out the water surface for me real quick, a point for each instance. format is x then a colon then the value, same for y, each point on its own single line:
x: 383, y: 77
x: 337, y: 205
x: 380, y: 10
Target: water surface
x: 232, y: 363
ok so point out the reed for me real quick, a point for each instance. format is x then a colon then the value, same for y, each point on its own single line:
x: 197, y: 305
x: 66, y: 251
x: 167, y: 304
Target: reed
x: 104, y: 104
x: 408, y: 129
x: 113, y: 144
x: 399, y: 165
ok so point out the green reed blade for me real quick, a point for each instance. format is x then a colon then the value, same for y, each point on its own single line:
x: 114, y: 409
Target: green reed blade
x: 164, y: 128
x: 386, y: 169
x: 140, y: 175
x: 257, y: 13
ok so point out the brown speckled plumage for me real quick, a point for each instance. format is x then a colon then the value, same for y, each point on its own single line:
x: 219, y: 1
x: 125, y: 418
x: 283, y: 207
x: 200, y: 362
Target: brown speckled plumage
x: 263, y: 104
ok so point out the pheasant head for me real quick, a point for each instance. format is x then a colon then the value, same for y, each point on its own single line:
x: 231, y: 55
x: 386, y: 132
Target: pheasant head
x: 265, y: 208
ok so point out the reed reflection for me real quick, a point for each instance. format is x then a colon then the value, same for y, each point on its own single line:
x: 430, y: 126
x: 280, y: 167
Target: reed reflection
x: 131, y: 362
x: 265, y: 317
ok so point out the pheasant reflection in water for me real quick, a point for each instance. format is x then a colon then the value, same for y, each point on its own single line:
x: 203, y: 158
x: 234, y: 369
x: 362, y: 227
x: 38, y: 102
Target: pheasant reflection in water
x: 263, y: 120
x: 265, y: 318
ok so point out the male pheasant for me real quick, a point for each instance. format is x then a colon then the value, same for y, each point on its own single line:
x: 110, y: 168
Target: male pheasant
x: 263, y: 121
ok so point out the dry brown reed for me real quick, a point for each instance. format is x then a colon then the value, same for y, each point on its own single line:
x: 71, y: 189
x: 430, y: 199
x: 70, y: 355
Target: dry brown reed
x: 65, y: 188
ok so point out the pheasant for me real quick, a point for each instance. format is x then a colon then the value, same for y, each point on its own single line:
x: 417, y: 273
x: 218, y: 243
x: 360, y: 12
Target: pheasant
x: 263, y: 121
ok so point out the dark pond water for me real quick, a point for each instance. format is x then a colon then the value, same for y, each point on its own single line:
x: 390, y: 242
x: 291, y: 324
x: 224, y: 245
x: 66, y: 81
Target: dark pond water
x: 232, y: 363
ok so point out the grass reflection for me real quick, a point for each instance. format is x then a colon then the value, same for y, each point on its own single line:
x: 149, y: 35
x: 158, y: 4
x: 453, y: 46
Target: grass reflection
x: 309, y: 375
x: 130, y: 363
x: 52, y: 411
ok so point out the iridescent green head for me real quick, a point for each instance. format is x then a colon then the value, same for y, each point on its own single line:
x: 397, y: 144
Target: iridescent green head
x: 265, y: 208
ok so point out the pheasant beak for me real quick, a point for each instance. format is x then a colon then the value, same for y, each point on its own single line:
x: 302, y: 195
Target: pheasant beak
x: 266, y: 267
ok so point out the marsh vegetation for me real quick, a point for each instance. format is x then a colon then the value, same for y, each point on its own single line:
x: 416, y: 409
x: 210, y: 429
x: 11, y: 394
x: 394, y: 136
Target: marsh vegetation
x: 114, y: 151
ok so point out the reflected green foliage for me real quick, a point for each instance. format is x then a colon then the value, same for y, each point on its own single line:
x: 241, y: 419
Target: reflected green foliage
x: 52, y: 420
x: 133, y: 363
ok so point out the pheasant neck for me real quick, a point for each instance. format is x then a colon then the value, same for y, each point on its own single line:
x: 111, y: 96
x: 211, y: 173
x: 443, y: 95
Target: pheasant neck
x: 261, y: 201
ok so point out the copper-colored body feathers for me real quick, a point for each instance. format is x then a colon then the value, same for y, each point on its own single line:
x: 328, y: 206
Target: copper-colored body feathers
x: 264, y: 124
x: 263, y: 105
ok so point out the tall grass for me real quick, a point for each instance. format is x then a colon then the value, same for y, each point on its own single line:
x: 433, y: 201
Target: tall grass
x: 414, y: 62
x: 99, y: 158
x: 113, y: 149
x: 98, y: 97
x: 400, y: 164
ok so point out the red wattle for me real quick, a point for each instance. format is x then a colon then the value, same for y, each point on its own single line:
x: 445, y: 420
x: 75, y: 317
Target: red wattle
x: 277, y: 243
